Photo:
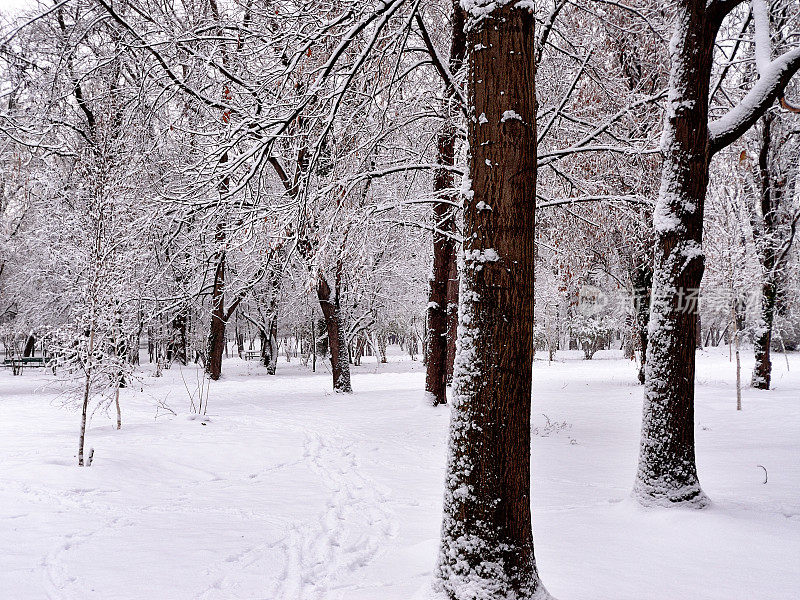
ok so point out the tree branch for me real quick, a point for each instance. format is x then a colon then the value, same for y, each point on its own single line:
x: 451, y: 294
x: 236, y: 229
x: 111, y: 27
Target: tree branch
x: 769, y: 87
x: 444, y: 72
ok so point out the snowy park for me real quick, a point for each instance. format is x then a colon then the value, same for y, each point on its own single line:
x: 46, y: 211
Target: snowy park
x: 287, y: 491
x: 400, y: 299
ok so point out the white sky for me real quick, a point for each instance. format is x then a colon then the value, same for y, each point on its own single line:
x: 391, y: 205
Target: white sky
x: 10, y: 6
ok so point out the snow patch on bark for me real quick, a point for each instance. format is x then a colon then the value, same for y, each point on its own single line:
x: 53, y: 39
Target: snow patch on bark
x: 480, y: 9
x: 481, y: 256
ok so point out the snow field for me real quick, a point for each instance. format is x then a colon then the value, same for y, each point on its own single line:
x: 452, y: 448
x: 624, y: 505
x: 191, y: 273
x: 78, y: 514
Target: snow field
x: 287, y: 491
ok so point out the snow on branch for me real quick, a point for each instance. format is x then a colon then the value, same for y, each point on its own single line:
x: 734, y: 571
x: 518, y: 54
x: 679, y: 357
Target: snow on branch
x: 773, y: 79
x: 761, y: 37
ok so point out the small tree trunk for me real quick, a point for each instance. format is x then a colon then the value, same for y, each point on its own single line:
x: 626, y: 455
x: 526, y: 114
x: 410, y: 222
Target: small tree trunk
x: 30, y: 346
x: 452, y: 312
x: 331, y: 311
x: 382, y: 347
x: 361, y: 343
x: 216, y: 342
x: 738, y: 362
x: 239, y: 335
x: 119, y: 411
x: 436, y: 343
x: 181, y: 326
x: 273, y: 345
x: 313, y: 344
x: 437, y: 338
x: 767, y: 235
x: 216, y: 335
x: 87, y: 386
x: 762, y: 341
x: 643, y: 282
x: 262, y: 336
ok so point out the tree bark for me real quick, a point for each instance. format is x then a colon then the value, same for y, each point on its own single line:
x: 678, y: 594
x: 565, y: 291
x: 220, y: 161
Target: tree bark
x: 30, y: 346
x: 762, y: 341
x: 269, y: 344
x: 667, y: 471
x: 86, y: 389
x: 768, y: 230
x: 216, y: 335
x: 699, y: 327
x: 452, y: 312
x: 177, y: 342
x: 436, y: 345
x: 334, y: 323
x: 642, y: 290
x: 487, y: 546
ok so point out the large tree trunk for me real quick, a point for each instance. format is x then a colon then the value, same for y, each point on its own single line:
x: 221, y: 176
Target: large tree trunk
x: 334, y: 323
x: 667, y: 472
x: 443, y: 245
x: 487, y: 547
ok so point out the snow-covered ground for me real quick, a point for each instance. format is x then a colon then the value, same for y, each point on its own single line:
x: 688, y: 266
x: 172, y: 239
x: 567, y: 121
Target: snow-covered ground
x: 290, y: 492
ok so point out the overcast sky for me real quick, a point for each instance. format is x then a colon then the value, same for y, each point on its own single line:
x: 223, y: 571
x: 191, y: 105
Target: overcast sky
x: 9, y: 6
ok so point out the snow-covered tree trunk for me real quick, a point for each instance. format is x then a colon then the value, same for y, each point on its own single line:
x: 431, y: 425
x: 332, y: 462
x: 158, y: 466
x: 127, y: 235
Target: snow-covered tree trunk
x: 381, y: 342
x: 86, y: 389
x: 177, y: 343
x: 452, y: 312
x: 271, y: 349
x: 334, y: 323
x: 667, y: 472
x: 774, y: 228
x: 216, y: 334
x: 269, y: 328
x: 443, y: 244
x: 642, y: 277
x: 486, y: 548
x: 436, y: 342
x: 762, y: 339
